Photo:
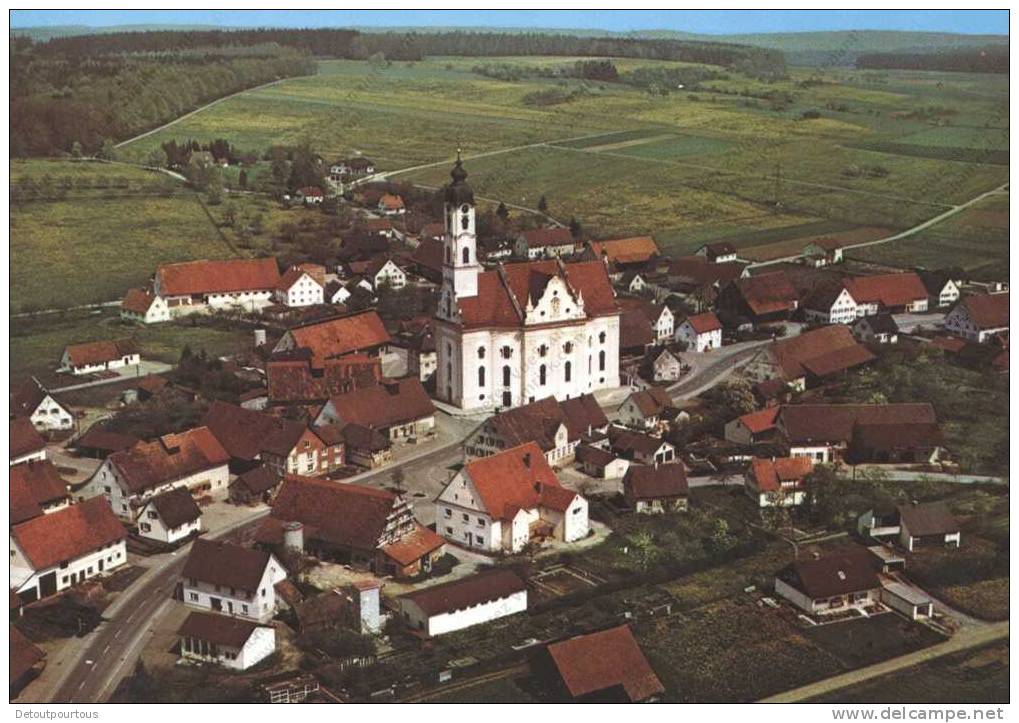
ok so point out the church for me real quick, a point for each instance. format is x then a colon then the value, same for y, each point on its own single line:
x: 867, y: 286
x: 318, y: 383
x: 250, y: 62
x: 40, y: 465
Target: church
x: 520, y: 331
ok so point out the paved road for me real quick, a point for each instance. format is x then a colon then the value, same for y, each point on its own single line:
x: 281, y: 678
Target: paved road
x: 715, y: 366
x: 962, y: 640
x: 136, y: 371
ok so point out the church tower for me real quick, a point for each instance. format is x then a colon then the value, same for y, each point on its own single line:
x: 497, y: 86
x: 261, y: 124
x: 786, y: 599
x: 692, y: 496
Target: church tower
x: 460, y: 267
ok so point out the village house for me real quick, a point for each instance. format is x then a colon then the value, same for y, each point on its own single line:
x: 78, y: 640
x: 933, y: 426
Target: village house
x: 556, y: 427
x: 422, y: 359
x: 354, y: 606
x: 622, y: 253
x: 426, y: 260
x: 504, y: 502
x: 480, y: 598
x: 230, y: 642
x: 718, y: 253
x: 834, y: 583
x: 647, y: 410
x: 283, y: 445
x: 226, y: 578
x: 337, y: 292
x: 350, y: 524
x: 822, y: 252
x: 808, y: 358
x: 603, y: 667
x: 640, y: 448
x: 391, y: 205
x: 545, y: 243
x: 99, y: 356
x: 894, y: 293
x: 294, y: 378
x: 298, y: 287
x: 753, y: 428
x: 99, y: 443
x: 656, y: 488
x: 193, y: 459
x: 53, y: 552
x: 198, y: 286
x: 665, y: 366
x: 700, y: 332
x: 357, y: 167
x: 361, y: 332
x: 699, y: 281
x: 27, y: 661
x: 979, y: 317
x: 631, y: 282
x: 36, y: 488
x: 877, y: 329
x: 760, y: 299
x: 778, y: 482
x: 913, y: 525
x: 829, y: 304
x: 309, y: 196
x: 45, y: 411
x: 398, y: 408
x: 860, y: 433
x: 636, y: 335
x: 600, y: 462
x: 943, y: 289
x: 379, y: 227
x: 170, y: 517
x: 26, y: 444
x: 143, y: 306
x: 554, y: 327
x: 256, y: 485
x: 364, y: 446
x: 384, y: 273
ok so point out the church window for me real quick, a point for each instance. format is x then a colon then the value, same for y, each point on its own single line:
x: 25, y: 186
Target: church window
x: 467, y: 254
x: 506, y: 376
x: 601, y: 338
x: 568, y: 370
x: 481, y: 352
x: 465, y: 209
x: 507, y: 352
x: 465, y: 222
x: 541, y: 375
x: 601, y: 360
x: 543, y: 350
x: 568, y: 347
x: 481, y: 376
x: 589, y: 364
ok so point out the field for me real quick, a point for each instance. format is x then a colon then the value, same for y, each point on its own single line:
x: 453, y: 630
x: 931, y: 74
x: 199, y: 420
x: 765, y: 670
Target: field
x: 975, y: 677
x: 688, y: 166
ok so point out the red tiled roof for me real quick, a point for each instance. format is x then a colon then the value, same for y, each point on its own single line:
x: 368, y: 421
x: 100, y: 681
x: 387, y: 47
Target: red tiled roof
x: 516, y: 479
x: 33, y: 485
x: 652, y: 401
x: 294, y: 380
x: 217, y: 277
x: 310, y: 191
x: 838, y: 573
x: 25, y: 438
x: 635, y: 249
x: 389, y: 403
x: 359, y: 332
x: 137, y: 300
x: 541, y: 237
x: 170, y: 458
x: 467, y: 592
x: 246, y: 433
x: 626, y: 442
x: 99, y: 352
x: 887, y: 289
x: 596, y: 661
x: 768, y: 293
x: 769, y: 474
x: 503, y: 293
x: 226, y: 564
x: 391, y: 202
x: 292, y: 275
x: 761, y: 420
x: 835, y: 422
x: 411, y: 548
x: 539, y: 420
x: 699, y: 271
x: 24, y: 654
x: 988, y: 311
x: 635, y: 329
x: 102, y: 440
x: 837, y: 360
x: 661, y: 480
x: 704, y: 323
x: 68, y: 533
x: 826, y: 346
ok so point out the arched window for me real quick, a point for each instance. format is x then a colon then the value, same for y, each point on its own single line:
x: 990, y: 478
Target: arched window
x: 507, y: 352
x: 467, y: 254
x: 601, y: 360
x: 543, y: 350
x: 601, y: 338
x: 568, y: 347
x: 506, y: 376
x: 588, y: 363
x: 465, y: 221
x: 568, y: 369
x: 541, y: 375
x: 481, y: 376
x: 481, y: 352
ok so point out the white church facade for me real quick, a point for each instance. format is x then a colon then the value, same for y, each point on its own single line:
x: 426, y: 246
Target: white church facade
x: 521, y: 331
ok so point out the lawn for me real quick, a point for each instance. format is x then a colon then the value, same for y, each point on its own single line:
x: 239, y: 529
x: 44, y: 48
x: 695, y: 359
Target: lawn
x: 973, y: 677
x: 87, y: 250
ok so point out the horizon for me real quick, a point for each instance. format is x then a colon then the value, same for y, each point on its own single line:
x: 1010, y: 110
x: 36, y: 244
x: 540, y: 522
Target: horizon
x: 701, y: 22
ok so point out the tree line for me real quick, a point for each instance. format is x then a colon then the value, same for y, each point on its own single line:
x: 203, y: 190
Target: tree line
x: 991, y: 59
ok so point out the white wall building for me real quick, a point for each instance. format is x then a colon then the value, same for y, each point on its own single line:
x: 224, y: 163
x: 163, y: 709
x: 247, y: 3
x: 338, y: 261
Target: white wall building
x: 170, y: 517
x: 462, y: 603
x: 298, y: 288
x: 230, y: 642
x: 232, y: 580
x: 700, y: 332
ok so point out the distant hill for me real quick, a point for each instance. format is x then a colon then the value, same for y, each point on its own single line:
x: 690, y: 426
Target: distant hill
x: 45, y: 32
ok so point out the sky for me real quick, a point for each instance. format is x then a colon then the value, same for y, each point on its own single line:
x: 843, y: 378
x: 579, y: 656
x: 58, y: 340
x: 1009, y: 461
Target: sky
x: 694, y: 21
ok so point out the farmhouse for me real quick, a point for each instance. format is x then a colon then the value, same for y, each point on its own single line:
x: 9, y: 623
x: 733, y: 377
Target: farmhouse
x: 823, y: 251
x: 353, y: 525
x: 877, y: 329
x: 226, y: 578
x: 361, y: 332
x: 942, y: 288
x: 282, y: 445
x: 459, y: 604
x: 194, y: 286
x: 915, y: 525
x: 640, y: 448
x: 544, y: 243
x: 46, y: 412
x: 231, y: 642
x: 506, y: 501
x: 604, y: 667
x: 700, y: 280
x: 979, y: 317
x: 50, y: 553
x: 623, y: 253
x: 522, y: 331
x: 99, y: 443
x: 36, y: 488
x: 811, y: 357
x: 384, y: 273
x: 299, y: 287
x: 717, y: 253
x: 255, y: 485
x: 98, y: 356
x: 600, y: 462
x: 193, y: 459
x: 700, y: 332
x: 26, y: 444
x: 658, y: 488
x: 834, y: 583
x: 399, y: 408
x: 760, y: 299
x: 665, y: 366
x: 895, y: 293
x: 556, y: 427
x: 144, y: 306
x: 391, y: 205
x: 294, y: 378
x: 170, y: 517
x: 778, y: 482
x: 647, y: 409
x: 829, y: 304
x: 753, y: 427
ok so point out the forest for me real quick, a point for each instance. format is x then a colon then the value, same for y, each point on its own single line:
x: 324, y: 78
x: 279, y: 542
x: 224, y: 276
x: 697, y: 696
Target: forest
x: 991, y: 59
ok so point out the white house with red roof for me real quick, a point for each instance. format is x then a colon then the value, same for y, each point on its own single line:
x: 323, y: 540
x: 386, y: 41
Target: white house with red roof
x: 700, y: 332
x: 297, y: 287
x: 778, y: 482
x: 53, y: 552
x: 503, y: 502
x: 391, y: 205
x: 979, y: 317
x: 197, y: 286
x: 144, y: 306
x: 519, y: 332
x: 310, y: 195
